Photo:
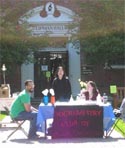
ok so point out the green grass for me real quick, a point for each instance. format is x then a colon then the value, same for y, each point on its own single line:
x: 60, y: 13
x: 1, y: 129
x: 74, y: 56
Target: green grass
x: 121, y: 125
x: 2, y: 116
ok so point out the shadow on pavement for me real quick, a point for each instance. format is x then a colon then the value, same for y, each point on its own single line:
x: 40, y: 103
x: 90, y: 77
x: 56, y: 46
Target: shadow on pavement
x: 71, y: 140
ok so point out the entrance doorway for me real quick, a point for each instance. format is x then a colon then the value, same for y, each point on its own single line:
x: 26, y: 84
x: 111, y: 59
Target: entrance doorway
x: 45, y: 68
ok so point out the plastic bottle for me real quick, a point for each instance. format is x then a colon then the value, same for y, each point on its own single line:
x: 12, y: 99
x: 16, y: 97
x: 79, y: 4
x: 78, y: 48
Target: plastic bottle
x: 105, y: 98
x: 45, y: 100
x: 52, y: 99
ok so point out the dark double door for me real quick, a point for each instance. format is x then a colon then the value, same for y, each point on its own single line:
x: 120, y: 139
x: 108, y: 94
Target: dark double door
x: 46, y: 63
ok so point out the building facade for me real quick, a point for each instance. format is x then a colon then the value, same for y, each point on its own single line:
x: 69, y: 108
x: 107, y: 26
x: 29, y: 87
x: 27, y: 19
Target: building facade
x: 52, y: 20
x: 56, y: 19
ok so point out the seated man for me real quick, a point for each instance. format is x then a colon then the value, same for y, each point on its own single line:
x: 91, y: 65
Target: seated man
x: 21, y: 108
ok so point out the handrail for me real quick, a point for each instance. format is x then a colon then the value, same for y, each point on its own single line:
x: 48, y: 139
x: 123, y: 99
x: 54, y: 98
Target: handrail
x: 118, y: 97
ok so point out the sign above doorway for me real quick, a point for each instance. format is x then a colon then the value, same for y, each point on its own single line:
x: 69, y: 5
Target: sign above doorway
x: 51, y: 20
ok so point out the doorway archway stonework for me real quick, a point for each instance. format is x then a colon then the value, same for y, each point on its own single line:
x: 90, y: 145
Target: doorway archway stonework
x: 54, y: 21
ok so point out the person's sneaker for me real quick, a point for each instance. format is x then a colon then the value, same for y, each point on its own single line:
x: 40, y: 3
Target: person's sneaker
x: 40, y: 134
x: 35, y: 137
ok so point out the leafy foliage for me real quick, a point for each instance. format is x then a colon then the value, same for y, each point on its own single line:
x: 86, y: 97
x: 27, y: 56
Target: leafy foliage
x: 17, y: 49
x: 101, y: 30
x: 101, y: 17
x: 15, y: 41
x: 105, y: 48
x: 2, y: 116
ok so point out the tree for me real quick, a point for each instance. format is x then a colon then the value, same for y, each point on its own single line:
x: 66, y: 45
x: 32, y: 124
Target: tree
x: 108, y: 48
x: 102, y: 30
x: 15, y: 41
x: 101, y: 21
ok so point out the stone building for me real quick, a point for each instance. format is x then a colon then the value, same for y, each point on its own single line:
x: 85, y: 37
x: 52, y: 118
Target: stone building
x: 52, y: 19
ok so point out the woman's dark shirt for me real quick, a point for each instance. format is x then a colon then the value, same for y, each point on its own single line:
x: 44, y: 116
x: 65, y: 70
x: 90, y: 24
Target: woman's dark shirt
x: 62, y: 88
x: 95, y: 94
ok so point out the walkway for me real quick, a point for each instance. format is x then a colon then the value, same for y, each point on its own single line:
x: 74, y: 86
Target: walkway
x: 19, y: 139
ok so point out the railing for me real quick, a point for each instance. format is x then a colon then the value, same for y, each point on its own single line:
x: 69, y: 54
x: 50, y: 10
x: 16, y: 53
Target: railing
x: 118, y: 97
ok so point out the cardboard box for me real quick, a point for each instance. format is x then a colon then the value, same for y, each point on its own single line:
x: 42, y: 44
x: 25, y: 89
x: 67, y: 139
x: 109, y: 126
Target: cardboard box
x: 4, y: 91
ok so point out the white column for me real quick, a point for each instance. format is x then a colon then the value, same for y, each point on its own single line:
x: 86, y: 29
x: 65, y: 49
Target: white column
x: 74, y: 66
x: 27, y: 72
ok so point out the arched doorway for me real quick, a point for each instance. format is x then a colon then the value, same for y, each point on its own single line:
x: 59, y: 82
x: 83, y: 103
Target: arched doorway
x: 42, y: 72
x: 45, y: 68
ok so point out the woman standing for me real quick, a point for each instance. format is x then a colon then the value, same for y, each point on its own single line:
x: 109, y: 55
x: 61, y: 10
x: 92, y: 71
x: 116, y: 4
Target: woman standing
x: 61, y: 85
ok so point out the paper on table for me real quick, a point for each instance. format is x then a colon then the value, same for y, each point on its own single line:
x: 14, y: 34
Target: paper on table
x: 78, y: 102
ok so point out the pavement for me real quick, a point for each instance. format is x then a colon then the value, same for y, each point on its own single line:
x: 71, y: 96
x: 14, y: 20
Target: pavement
x: 115, y: 140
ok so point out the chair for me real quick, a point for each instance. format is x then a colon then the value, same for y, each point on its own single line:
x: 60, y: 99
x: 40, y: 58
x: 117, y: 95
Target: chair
x: 120, y: 115
x: 19, y: 124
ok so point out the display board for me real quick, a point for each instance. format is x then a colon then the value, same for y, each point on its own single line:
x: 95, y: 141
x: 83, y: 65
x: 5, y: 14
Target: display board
x: 77, y: 121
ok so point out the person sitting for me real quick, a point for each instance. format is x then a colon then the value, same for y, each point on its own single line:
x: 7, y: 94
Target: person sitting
x: 91, y: 92
x: 61, y: 85
x: 120, y: 111
x: 21, y: 109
